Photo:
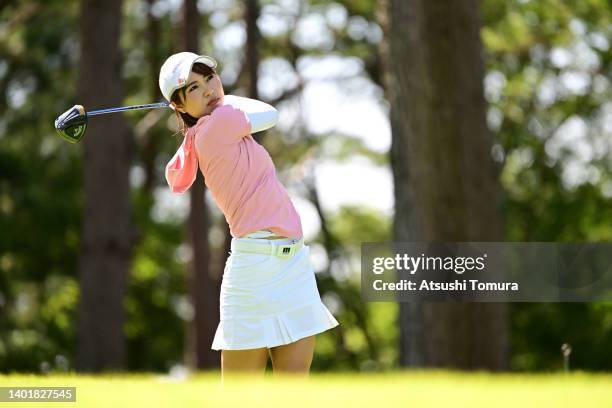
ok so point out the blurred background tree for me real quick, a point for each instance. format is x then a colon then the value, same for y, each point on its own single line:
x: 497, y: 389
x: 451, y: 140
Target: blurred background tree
x: 445, y: 180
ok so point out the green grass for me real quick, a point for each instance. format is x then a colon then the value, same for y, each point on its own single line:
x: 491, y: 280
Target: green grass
x: 395, y: 389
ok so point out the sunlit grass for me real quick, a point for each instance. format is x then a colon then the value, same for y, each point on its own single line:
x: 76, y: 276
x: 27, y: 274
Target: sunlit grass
x: 394, y: 389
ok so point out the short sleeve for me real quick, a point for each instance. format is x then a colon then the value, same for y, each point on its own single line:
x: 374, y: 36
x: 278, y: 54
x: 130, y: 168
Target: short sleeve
x: 225, y: 125
x: 261, y: 115
x: 181, y: 170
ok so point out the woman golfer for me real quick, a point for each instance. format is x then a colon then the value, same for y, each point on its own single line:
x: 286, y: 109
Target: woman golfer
x: 269, y: 301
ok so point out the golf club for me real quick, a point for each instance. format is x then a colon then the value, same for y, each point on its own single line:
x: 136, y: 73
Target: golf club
x: 71, y: 125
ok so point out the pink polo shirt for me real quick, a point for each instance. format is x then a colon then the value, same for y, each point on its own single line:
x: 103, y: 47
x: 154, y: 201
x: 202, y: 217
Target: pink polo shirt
x: 239, y: 173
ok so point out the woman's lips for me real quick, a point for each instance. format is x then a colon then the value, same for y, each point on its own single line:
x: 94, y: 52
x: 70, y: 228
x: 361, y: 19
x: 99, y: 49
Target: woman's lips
x: 213, y: 102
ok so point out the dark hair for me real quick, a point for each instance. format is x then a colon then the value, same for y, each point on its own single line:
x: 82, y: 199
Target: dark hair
x: 185, y: 120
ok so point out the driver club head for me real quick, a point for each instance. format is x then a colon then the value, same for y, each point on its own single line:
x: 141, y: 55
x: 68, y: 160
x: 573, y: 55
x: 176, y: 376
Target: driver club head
x: 71, y: 125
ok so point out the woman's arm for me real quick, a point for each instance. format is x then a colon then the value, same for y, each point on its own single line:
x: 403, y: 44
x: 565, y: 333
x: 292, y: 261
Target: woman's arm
x: 261, y: 115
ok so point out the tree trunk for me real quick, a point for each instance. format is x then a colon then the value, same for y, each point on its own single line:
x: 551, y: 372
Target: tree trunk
x: 445, y: 182
x: 204, y: 288
x: 154, y: 60
x: 252, y: 46
x: 106, y: 239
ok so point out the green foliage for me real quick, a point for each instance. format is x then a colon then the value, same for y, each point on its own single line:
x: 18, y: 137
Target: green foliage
x: 154, y: 329
x: 357, y: 224
x: 39, y: 187
x: 541, y: 328
x: 367, y: 340
x: 41, y: 204
x: 520, y: 39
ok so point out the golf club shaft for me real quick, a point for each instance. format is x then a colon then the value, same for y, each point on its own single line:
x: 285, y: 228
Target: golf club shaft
x: 125, y: 108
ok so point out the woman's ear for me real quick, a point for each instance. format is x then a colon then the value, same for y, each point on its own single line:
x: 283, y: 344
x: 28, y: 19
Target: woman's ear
x: 177, y: 108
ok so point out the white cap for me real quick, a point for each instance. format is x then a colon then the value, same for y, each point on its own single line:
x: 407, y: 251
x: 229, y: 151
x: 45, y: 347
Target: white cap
x: 175, y: 71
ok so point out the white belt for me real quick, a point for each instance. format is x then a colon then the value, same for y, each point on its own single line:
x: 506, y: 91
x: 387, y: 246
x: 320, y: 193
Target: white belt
x: 269, y: 247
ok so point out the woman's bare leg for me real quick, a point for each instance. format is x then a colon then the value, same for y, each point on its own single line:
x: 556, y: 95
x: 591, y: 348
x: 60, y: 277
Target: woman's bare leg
x: 294, y: 358
x: 252, y: 361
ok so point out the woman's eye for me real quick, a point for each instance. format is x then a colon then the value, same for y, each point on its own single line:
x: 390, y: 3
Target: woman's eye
x: 193, y: 87
x: 210, y: 77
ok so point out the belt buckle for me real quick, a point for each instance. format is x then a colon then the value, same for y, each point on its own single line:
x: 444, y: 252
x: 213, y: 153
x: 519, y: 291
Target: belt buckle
x: 285, y: 251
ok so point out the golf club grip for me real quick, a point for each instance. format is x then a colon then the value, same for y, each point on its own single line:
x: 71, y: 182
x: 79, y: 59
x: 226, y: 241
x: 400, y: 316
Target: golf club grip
x: 126, y: 108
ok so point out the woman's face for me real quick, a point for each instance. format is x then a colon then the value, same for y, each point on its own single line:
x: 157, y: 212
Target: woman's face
x: 200, y: 91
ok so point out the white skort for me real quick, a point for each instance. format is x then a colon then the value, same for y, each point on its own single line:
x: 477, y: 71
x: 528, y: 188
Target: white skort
x: 268, y: 301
